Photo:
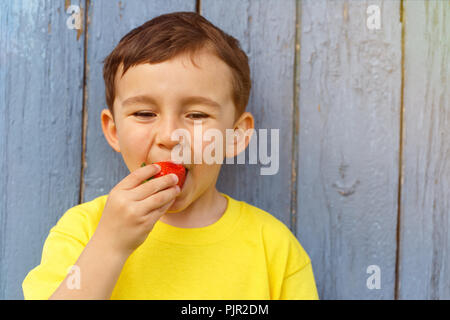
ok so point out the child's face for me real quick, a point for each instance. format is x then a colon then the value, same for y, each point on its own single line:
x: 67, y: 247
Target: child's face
x: 146, y: 136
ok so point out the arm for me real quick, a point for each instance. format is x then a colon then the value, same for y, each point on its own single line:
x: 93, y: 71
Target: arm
x: 130, y: 213
x: 99, y: 268
x: 300, y: 285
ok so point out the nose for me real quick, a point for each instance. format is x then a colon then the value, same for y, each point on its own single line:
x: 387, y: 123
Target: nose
x: 167, y: 125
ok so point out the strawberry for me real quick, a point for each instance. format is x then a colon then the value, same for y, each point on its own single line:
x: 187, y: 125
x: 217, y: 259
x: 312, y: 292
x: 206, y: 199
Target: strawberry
x: 170, y: 167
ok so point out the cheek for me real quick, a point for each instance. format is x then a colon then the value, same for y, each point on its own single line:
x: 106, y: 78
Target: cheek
x: 133, y: 137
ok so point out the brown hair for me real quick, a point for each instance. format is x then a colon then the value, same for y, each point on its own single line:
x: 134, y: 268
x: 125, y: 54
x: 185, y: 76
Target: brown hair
x: 172, y: 34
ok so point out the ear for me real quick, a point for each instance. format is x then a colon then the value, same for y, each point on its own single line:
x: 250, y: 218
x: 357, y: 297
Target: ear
x: 243, y: 131
x: 109, y: 129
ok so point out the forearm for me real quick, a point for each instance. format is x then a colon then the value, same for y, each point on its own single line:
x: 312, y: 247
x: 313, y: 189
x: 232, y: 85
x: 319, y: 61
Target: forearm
x: 99, y: 269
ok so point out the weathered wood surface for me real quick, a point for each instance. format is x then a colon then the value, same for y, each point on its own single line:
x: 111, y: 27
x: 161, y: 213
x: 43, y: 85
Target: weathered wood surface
x: 41, y: 90
x: 349, y: 117
x: 424, y: 269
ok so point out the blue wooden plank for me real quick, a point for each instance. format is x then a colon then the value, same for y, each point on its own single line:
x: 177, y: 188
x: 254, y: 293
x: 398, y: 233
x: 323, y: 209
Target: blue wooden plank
x: 349, y: 108
x: 41, y: 82
x: 424, y: 261
x: 266, y: 32
x: 109, y: 21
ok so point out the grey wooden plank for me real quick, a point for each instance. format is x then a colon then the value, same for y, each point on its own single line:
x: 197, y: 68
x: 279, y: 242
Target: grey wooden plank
x: 41, y: 81
x: 349, y: 108
x: 109, y: 21
x: 266, y: 32
x: 424, y: 264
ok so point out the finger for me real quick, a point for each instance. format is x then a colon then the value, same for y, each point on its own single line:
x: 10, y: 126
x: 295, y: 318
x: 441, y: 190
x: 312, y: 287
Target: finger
x: 138, y: 176
x: 153, y: 186
x: 152, y: 217
x: 158, y: 199
x: 158, y: 213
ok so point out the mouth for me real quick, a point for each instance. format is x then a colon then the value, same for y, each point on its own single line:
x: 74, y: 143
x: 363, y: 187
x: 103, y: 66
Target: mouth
x: 166, y: 170
x: 185, y: 176
x: 180, y: 163
x: 186, y: 168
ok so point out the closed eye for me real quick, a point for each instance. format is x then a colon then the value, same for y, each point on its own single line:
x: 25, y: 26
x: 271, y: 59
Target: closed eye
x: 144, y: 114
x: 197, y: 115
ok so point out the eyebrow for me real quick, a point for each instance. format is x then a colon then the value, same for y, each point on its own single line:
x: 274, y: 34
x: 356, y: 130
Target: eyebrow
x: 185, y: 101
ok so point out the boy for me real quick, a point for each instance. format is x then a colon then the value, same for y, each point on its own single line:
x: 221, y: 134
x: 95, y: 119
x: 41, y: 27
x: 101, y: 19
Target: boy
x: 155, y: 240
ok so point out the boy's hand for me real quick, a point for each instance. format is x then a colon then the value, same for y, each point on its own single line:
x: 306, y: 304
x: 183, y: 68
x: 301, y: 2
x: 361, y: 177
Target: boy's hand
x: 133, y: 207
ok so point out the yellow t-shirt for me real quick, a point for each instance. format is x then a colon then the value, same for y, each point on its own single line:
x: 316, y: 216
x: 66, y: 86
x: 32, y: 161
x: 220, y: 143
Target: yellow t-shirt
x: 246, y: 254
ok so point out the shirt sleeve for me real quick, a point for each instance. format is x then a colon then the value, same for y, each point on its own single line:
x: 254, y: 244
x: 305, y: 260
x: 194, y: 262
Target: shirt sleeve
x: 290, y: 270
x: 300, y: 285
x: 61, y: 250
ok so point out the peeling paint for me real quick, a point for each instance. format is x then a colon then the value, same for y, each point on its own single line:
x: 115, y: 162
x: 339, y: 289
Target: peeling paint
x: 80, y: 31
x: 120, y: 9
x: 345, y: 13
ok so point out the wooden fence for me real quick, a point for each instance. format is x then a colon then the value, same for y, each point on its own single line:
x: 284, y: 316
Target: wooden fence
x: 358, y: 89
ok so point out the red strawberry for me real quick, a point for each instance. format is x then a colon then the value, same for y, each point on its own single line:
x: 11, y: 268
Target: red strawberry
x: 170, y: 167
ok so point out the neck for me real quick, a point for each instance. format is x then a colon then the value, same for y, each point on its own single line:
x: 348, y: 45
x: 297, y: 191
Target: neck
x: 205, y: 210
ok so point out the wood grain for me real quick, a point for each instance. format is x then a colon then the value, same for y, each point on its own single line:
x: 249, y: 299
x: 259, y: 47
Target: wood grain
x: 41, y: 88
x: 424, y: 269
x: 349, y: 117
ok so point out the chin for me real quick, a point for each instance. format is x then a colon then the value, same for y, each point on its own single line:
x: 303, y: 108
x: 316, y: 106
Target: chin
x: 178, y: 205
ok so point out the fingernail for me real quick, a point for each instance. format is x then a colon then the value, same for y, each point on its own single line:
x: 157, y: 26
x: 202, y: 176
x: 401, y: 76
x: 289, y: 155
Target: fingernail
x: 175, y: 177
x: 157, y: 167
